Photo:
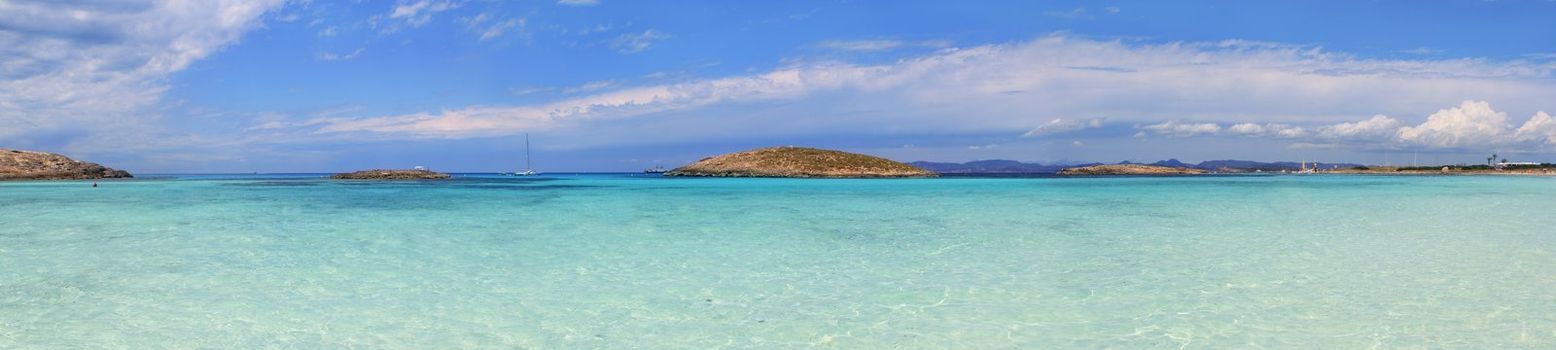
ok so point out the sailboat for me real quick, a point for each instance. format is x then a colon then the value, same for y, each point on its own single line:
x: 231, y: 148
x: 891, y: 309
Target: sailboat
x: 527, y: 171
x: 657, y: 169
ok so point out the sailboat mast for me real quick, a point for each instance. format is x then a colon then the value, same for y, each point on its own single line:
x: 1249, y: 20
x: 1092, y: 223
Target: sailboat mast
x: 526, y: 152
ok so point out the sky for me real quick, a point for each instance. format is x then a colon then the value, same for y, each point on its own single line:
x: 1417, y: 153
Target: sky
x: 211, y: 86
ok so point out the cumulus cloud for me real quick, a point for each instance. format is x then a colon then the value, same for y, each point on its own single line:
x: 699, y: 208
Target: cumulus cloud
x: 637, y: 42
x: 1476, y: 125
x: 87, y: 66
x: 1472, y: 123
x: 1540, y: 128
x: 1061, y: 126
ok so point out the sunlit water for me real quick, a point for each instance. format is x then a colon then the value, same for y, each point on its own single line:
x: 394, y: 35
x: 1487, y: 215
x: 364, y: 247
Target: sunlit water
x: 617, y: 261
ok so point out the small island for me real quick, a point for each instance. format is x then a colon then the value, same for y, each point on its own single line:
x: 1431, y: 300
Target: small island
x: 387, y: 174
x: 32, y: 165
x: 1129, y: 169
x: 799, y: 162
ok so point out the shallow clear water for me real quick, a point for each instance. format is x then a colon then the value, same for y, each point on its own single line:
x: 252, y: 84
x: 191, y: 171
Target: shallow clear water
x: 616, y: 261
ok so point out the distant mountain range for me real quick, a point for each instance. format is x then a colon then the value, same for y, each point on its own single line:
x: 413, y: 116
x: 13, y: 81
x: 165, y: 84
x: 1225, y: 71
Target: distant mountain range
x: 1011, y: 166
x: 990, y: 166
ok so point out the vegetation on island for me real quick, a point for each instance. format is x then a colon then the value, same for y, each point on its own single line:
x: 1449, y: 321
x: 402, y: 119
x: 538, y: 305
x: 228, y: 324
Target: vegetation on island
x: 802, y: 162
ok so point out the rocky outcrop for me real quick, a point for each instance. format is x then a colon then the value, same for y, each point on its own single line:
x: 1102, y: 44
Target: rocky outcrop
x: 384, y: 174
x: 30, y: 165
x: 798, y: 162
x: 1129, y: 169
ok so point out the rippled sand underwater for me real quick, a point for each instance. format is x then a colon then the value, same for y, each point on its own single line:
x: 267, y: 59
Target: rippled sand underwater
x: 618, y: 261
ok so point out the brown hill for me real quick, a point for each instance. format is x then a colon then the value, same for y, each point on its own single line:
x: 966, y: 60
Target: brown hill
x: 798, y: 162
x: 30, y: 165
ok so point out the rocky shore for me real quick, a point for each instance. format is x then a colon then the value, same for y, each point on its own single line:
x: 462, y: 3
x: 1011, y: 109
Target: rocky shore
x: 30, y: 165
x: 1129, y: 169
x: 799, y: 162
x: 387, y: 174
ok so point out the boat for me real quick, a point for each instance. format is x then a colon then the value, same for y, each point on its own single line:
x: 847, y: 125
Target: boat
x: 527, y: 170
x: 657, y: 169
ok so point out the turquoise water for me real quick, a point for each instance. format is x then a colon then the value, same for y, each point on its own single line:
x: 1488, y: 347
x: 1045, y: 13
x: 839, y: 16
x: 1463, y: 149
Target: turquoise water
x: 616, y: 261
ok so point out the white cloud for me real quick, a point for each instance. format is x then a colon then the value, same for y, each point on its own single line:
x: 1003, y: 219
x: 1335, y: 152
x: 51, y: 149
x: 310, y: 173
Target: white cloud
x: 861, y: 45
x: 1472, y: 123
x: 1181, y: 129
x: 331, y: 56
x: 1282, y: 91
x: 634, y: 43
x: 530, y: 90
x: 1540, y: 128
x: 879, y: 44
x: 1246, y: 129
x: 1377, y: 127
x: 596, y: 29
x: 88, y: 67
x: 488, y: 121
x: 578, y: 2
x: 419, y: 12
x: 487, y: 27
x: 1267, y: 130
x: 590, y: 87
x: 1061, y: 126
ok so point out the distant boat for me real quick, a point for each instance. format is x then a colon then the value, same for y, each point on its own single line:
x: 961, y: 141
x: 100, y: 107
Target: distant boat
x: 657, y: 169
x: 527, y: 171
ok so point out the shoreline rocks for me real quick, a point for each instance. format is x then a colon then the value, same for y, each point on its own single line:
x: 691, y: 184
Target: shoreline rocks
x: 1129, y: 169
x: 391, y: 174
x: 32, y: 165
x: 799, y: 162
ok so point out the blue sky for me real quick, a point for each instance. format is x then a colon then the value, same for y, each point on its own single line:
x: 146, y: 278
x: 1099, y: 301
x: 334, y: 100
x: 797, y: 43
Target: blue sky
x: 303, y: 86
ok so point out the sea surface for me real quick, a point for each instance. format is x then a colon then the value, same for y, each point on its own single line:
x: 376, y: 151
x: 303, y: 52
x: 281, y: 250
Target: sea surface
x: 621, y: 261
